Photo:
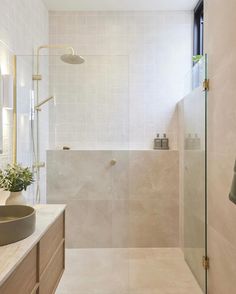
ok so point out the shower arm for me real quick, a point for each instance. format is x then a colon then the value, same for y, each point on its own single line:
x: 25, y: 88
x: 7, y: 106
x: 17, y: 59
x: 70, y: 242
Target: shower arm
x: 52, y: 47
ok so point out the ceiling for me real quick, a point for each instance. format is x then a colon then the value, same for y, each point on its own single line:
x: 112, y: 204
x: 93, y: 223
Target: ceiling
x: 120, y: 4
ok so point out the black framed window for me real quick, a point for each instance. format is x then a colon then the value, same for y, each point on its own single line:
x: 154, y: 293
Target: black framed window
x: 198, y: 34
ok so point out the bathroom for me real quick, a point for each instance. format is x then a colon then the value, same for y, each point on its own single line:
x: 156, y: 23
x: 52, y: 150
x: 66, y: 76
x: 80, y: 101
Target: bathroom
x: 117, y: 147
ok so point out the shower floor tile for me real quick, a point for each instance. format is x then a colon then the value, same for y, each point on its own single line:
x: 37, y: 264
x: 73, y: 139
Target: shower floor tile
x: 127, y: 271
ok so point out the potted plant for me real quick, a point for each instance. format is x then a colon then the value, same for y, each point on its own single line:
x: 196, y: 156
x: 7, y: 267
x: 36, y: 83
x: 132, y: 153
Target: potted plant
x: 15, y: 179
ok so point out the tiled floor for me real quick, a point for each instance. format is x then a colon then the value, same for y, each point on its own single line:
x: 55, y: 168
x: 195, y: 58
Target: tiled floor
x: 127, y: 271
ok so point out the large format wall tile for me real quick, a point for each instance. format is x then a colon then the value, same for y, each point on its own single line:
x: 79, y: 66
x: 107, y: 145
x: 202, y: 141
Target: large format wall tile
x: 80, y: 175
x: 145, y: 174
x: 135, y: 203
x: 222, y: 212
x: 220, y: 44
x: 121, y: 175
x: 153, y: 174
x: 89, y: 224
x: 154, y: 223
x: 120, y: 223
x: 222, y: 264
x: 220, y: 40
x: 221, y: 104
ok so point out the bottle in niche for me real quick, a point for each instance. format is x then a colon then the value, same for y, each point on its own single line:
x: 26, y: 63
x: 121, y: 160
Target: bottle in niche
x: 164, y: 142
x: 157, y: 142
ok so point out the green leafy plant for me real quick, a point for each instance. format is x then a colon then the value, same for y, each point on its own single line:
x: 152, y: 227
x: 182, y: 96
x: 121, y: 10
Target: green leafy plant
x: 197, y: 58
x: 15, y: 178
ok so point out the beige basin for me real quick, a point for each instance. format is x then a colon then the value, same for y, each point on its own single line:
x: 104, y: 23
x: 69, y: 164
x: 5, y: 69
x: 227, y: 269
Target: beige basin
x: 17, y: 222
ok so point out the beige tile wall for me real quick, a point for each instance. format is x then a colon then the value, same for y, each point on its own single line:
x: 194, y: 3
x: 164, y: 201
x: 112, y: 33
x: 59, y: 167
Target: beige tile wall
x: 221, y: 48
x: 132, y: 204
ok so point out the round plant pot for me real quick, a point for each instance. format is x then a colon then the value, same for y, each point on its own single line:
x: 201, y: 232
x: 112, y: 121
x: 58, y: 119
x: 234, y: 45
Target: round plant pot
x: 16, y: 198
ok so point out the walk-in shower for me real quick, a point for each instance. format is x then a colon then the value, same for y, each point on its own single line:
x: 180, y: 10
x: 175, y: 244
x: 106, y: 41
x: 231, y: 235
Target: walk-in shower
x: 70, y: 58
x: 130, y: 222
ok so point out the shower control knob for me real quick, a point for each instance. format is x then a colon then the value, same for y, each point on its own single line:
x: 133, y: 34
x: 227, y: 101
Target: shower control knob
x: 113, y: 162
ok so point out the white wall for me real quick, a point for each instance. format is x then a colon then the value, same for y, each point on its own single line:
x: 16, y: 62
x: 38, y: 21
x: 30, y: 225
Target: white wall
x: 127, y: 90
x: 23, y: 27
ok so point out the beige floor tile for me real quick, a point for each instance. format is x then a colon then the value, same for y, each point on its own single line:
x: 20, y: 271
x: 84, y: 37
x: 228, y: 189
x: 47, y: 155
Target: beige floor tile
x: 127, y: 271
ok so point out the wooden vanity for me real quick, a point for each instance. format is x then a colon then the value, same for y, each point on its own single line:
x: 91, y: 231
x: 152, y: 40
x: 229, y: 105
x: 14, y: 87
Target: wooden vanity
x: 36, y: 264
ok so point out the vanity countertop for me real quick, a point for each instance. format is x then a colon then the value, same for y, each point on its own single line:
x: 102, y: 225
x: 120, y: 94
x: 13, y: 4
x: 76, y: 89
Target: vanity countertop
x: 11, y: 255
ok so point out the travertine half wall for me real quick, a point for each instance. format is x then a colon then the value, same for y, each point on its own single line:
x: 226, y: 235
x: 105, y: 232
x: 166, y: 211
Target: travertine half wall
x: 134, y: 203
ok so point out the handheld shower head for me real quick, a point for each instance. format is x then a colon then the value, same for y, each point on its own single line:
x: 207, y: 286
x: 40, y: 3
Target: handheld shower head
x: 38, y: 106
x: 72, y: 59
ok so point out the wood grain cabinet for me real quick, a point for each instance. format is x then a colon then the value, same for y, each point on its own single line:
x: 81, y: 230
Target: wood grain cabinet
x: 42, y: 268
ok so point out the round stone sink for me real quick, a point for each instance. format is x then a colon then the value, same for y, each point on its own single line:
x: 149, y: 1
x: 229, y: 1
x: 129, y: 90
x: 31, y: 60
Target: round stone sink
x: 17, y: 222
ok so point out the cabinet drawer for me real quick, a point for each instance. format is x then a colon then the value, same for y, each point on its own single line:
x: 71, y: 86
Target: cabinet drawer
x: 24, y: 279
x: 50, y: 242
x: 53, y: 272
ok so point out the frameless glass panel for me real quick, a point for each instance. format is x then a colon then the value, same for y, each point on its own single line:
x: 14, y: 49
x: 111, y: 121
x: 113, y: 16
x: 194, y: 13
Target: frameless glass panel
x: 90, y: 116
x: 24, y: 103
x: 195, y: 177
x: 32, y: 125
x: 91, y: 103
x: 75, y: 118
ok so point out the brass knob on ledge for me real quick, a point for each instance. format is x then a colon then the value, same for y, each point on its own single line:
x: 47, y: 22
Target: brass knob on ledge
x: 113, y: 162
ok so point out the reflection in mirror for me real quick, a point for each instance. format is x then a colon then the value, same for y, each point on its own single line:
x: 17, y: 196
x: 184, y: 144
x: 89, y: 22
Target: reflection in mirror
x: 1, y: 108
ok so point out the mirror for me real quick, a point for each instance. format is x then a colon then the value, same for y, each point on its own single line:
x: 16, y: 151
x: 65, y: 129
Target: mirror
x: 1, y: 113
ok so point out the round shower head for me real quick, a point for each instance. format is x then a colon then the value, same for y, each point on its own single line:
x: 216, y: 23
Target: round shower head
x: 72, y: 59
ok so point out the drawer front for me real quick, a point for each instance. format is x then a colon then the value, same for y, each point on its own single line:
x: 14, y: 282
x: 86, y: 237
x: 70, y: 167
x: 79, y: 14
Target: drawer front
x: 51, y: 276
x: 24, y: 279
x: 50, y: 242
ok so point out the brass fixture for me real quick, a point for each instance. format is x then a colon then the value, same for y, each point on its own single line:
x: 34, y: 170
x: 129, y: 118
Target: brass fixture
x: 37, y: 77
x: 206, y: 262
x: 206, y: 85
x: 70, y: 58
x: 39, y: 165
x: 113, y: 162
x: 14, y: 139
x: 37, y: 107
